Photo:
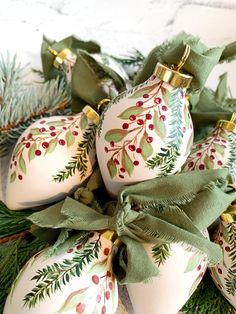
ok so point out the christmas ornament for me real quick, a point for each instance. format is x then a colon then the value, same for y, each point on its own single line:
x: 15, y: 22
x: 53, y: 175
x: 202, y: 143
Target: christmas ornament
x: 51, y: 158
x: 224, y: 273
x: 79, y: 280
x: 180, y: 273
x: 218, y: 150
x: 147, y: 131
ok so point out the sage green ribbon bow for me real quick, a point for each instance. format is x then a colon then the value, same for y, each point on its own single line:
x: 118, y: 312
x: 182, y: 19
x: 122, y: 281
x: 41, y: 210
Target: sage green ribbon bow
x: 167, y: 209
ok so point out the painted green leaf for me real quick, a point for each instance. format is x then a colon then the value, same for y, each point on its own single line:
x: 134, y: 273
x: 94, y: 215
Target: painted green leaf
x: 17, y: 148
x: 22, y: 164
x: 51, y: 147
x: 193, y: 263
x: 35, y: 131
x: 13, y: 177
x: 134, y: 110
x: 145, y: 90
x: 73, y: 299
x: 127, y: 162
x: 56, y: 123
x: 115, y: 135
x: 112, y: 168
x: 146, y: 147
x: 31, y: 152
x: 208, y: 162
x: 224, y: 135
x: 165, y: 95
x: 70, y: 138
x: 160, y: 127
x: 83, y: 122
x: 219, y: 149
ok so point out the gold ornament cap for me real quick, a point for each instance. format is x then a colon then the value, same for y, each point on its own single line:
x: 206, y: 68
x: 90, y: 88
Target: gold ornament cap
x: 228, y: 125
x: 60, y: 56
x: 171, y: 74
x: 112, y: 236
x: 91, y: 114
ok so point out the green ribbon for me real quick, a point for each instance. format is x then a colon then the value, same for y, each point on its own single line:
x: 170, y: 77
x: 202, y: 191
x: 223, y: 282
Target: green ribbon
x: 173, y: 209
x: 199, y: 64
x: 91, y: 80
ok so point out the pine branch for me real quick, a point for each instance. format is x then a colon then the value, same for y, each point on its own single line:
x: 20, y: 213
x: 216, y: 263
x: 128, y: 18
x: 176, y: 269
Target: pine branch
x: 207, y: 299
x: 134, y: 58
x: 22, y: 104
x: 230, y: 282
x: 51, y: 278
x: 161, y: 253
x: 80, y: 160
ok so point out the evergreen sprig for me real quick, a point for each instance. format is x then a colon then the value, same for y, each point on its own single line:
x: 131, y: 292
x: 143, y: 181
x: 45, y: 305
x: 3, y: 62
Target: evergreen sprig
x: 80, y: 159
x: 134, y: 58
x: 231, y: 276
x: 161, y: 253
x: 207, y: 299
x: 21, y: 104
x: 52, y: 277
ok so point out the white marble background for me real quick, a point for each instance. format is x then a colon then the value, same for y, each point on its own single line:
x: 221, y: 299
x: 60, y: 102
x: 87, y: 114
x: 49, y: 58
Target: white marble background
x: 118, y: 26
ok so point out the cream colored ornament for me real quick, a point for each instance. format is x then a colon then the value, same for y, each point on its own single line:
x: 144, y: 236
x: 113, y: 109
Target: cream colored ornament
x: 51, y: 158
x: 145, y: 132
x: 77, y: 281
x: 180, y: 273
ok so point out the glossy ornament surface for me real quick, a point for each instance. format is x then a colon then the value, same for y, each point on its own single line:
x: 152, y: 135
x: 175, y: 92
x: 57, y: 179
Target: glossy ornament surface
x: 144, y: 133
x: 180, y: 273
x: 224, y: 274
x: 51, y: 158
x: 77, y: 281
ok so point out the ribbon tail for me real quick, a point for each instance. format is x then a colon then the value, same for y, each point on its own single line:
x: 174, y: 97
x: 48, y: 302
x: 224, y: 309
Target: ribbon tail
x: 135, y: 263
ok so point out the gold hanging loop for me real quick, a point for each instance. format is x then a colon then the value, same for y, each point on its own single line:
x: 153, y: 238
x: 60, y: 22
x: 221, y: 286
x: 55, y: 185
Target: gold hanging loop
x: 233, y: 118
x: 103, y: 102
x: 184, y: 57
x: 228, y: 125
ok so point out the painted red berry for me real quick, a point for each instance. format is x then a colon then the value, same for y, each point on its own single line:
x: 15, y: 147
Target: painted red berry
x: 219, y: 162
x: 219, y: 271
x: 75, y: 133
x: 199, y: 154
x: 125, y: 126
x: 38, y: 152
x: 220, y: 242
x: 91, y: 235
x: 199, y: 146
x: 157, y: 100
x: 110, y: 285
x: 122, y: 169
x: 64, y: 128
x: 153, y: 77
x: 148, y: 116
x: 139, y: 103
x: 151, y: 127
x: 132, y: 117
x: 71, y: 118
x: 131, y: 147
x: 45, y: 144
x: 112, y: 143
x: 42, y: 130
x: 63, y: 120
x: 78, y: 247
x: 106, y: 251
x: 121, y: 176
x: 95, y: 279
x: 15, y: 163
x: 107, y: 295
x: 140, y: 121
x: 62, y: 142
x: 212, y: 157
x: 52, y: 127
x: 27, y: 145
x: 163, y: 118
x: 199, y: 267
x: 184, y: 129
x: 53, y: 134
x: 29, y: 136
x: 201, y: 167
x: 213, y: 150
x: 20, y: 177
x: 136, y: 162
x: 108, y: 273
x: 224, y: 141
x: 149, y: 139
x: 80, y: 307
x: 227, y: 249
x: 70, y: 251
x: 98, y: 298
x: 104, y: 309
x: 106, y: 149
x: 42, y: 122
x: 145, y: 95
x: 116, y: 161
x: 139, y: 150
x: 164, y: 108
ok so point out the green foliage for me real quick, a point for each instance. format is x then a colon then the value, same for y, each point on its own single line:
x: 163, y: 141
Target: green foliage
x: 161, y: 253
x: 232, y: 156
x: 207, y: 299
x: 13, y: 255
x: 231, y: 276
x: 80, y: 160
x: 52, y: 277
x: 21, y: 104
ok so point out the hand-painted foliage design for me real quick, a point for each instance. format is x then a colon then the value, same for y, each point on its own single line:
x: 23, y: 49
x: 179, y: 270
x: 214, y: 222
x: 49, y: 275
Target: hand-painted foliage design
x: 134, y: 141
